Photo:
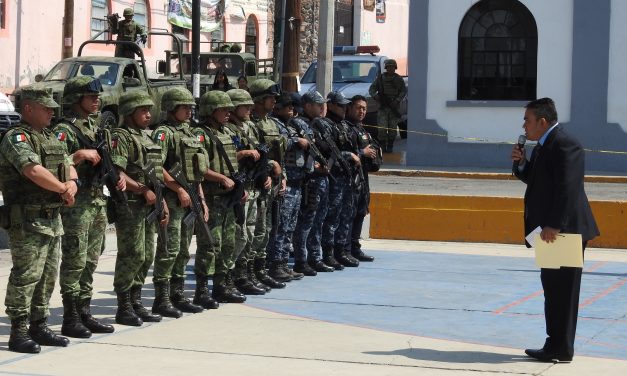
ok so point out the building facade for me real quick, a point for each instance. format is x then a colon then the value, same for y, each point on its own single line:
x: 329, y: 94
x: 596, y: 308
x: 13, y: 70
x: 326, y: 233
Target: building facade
x: 31, y: 35
x: 475, y: 64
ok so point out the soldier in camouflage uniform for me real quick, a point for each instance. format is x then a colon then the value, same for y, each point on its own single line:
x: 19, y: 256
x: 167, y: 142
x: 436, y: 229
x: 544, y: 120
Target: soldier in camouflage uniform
x: 217, y: 258
x: 36, y: 179
x: 84, y: 223
x: 128, y: 30
x: 132, y: 150
x: 388, y: 89
x: 370, y: 156
x: 336, y: 223
x: 178, y: 145
x: 307, y: 235
x: 249, y: 162
x: 264, y: 93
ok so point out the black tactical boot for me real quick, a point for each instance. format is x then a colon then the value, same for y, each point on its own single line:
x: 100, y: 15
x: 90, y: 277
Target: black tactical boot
x: 304, y: 268
x: 202, y: 297
x: 361, y: 256
x: 293, y: 274
x: 262, y: 274
x: 90, y: 321
x: 162, y: 304
x: 344, y: 258
x: 125, y: 314
x: 252, y: 277
x: 41, y: 334
x: 320, y: 266
x: 278, y: 273
x: 178, y: 299
x: 329, y: 259
x: 72, y: 324
x: 224, y: 290
x: 19, y: 340
x: 138, y: 307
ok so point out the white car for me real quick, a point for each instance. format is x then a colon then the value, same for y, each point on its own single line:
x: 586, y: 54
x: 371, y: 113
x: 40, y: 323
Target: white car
x: 8, y: 116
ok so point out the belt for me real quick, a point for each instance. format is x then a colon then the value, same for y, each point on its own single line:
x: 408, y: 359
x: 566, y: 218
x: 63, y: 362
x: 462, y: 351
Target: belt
x: 46, y: 213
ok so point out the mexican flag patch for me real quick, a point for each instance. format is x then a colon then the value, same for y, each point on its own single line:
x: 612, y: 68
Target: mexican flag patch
x: 61, y: 136
x: 19, y: 138
x: 160, y: 136
x: 200, y: 138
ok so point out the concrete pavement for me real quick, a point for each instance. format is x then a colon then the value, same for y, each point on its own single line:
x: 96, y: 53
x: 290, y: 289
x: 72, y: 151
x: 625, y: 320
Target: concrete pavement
x: 422, y: 308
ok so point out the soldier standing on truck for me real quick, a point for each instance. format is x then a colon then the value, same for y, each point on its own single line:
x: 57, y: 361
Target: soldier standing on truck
x: 127, y: 30
x: 388, y: 89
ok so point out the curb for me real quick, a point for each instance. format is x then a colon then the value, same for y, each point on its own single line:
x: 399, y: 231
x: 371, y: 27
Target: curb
x: 484, y: 175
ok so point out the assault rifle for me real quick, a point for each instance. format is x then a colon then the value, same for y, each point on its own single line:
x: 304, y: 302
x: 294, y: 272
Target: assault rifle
x: 235, y: 197
x: 314, y: 153
x: 335, y: 151
x: 158, y: 213
x: 385, y: 101
x: 196, y: 212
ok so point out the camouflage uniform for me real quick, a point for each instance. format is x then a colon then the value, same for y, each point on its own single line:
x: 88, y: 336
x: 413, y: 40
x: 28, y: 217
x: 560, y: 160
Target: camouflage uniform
x: 132, y: 151
x: 85, y: 222
x: 217, y: 258
x: 178, y: 145
x: 394, y: 90
x: 128, y: 30
x: 34, y: 227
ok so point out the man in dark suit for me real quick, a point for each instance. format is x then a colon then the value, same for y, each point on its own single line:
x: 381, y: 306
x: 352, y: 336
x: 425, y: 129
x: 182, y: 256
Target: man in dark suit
x: 555, y: 200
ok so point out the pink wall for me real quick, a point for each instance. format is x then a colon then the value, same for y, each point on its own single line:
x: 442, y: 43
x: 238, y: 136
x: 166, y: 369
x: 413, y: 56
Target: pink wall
x: 390, y: 36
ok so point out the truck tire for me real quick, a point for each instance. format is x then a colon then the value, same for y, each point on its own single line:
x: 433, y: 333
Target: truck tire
x: 108, y: 120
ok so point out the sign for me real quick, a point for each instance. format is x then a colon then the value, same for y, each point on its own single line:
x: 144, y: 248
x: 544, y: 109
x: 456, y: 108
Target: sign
x: 369, y: 5
x: 211, y: 14
x: 380, y: 11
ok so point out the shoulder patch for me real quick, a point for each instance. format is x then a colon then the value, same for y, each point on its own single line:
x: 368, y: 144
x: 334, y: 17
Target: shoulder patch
x: 18, y: 137
x: 200, y: 138
x: 160, y: 136
x: 61, y: 136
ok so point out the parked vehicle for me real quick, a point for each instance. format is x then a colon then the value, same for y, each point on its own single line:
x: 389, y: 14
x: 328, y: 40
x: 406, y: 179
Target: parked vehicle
x: 8, y: 116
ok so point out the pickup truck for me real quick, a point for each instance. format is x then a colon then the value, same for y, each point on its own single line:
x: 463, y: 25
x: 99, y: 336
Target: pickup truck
x: 8, y: 116
x: 354, y: 70
x: 117, y: 76
x: 235, y: 64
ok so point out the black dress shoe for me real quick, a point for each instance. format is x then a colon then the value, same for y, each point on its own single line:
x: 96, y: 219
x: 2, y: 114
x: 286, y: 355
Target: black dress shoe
x: 346, y: 260
x: 547, y: 356
x: 320, y: 266
x: 304, y: 268
x: 361, y: 256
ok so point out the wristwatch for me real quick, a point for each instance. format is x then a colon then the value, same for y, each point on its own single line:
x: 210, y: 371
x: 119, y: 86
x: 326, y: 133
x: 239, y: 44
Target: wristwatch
x: 78, y: 182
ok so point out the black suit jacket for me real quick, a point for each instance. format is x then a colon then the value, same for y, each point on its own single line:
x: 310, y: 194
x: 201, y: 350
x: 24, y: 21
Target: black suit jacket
x: 555, y: 195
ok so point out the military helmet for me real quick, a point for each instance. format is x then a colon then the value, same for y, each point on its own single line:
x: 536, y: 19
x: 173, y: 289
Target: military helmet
x: 212, y: 100
x: 390, y: 62
x: 77, y: 87
x: 133, y: 99
x: 262, y: 88
x: 177, y: 96
x: 128, y: 12
x: 240, y: 97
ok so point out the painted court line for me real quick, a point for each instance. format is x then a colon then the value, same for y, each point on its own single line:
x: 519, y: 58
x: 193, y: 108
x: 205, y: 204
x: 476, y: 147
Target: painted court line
x: 603, y: 293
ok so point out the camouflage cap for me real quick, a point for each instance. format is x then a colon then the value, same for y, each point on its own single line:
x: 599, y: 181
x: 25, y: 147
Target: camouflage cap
x: 390, y: 62
x: 128, y: 12
x: 313, y: 97
x: 40, y: 95
x: 76, y: 87
x: 240, y: 97
x: 212, y: 100
x: 133, y: 99
x: 338, y: 98
x: 177, y: 96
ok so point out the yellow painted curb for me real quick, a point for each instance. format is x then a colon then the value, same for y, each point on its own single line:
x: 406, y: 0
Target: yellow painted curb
x: 475, y: 219
x: 485, y: 175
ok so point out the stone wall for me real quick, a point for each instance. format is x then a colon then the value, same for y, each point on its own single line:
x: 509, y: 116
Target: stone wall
x: 310, y: 13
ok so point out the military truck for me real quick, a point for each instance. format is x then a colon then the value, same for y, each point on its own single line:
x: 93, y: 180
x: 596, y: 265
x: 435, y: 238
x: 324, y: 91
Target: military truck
x: 117, y: 76
x: 235, y: 64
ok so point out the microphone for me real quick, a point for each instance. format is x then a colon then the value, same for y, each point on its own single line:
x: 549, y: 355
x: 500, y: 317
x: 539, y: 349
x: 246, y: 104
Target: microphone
x: 521, y: 144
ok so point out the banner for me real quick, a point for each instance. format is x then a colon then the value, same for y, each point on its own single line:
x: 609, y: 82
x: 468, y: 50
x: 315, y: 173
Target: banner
x: 211, y: 14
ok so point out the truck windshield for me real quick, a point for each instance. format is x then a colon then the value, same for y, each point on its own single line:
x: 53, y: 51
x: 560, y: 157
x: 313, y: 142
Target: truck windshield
x: 107, y: 73
x: 346, y: 71
x: 210, y: 64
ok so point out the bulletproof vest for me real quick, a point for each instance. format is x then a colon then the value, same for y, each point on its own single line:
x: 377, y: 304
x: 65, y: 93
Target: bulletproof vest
x: 17, y: 189
x: 127, y: 30
x: 142, y: 150
x: 188, y: 151
x: 364, y: 139
x: 270, y: 135
x: 226, y: 138
x: 85, y: 170
x: 295, y: 158
x: 390, y: 87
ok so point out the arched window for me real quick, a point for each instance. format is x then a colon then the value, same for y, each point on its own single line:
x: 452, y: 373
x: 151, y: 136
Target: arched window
x: 251, y: 35
x: 99, y: 12
x: 498, y: 52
